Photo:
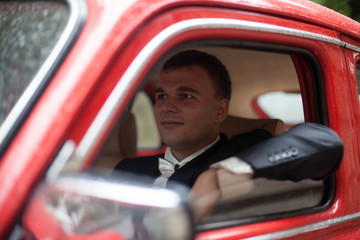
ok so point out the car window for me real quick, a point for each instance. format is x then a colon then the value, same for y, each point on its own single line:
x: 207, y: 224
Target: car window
x: 29, y: 31
x: 253, y: 73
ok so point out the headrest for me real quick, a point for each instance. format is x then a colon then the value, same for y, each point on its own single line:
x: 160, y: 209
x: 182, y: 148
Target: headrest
x: 236, y: 125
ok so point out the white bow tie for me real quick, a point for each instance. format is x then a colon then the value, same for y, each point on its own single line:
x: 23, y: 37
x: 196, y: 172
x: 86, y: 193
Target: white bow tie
x: 167, y: 168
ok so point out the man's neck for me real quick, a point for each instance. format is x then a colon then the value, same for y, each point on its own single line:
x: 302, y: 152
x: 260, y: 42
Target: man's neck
x: 181, y: 155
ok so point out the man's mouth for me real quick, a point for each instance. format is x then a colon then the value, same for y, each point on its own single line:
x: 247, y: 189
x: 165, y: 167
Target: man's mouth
x: 171, y: 124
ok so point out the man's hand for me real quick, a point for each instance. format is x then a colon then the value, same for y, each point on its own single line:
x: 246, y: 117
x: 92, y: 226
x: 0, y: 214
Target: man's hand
x: 219, y: 183
x: 204, y: 194
x: 233, y: 177
x: 232, y: 185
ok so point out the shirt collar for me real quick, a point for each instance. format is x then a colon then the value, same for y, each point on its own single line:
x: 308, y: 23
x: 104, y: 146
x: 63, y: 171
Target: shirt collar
x: 171, y: 158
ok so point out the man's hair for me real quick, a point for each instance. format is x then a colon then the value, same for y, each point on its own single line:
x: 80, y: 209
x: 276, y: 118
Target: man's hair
x: 211, y: 64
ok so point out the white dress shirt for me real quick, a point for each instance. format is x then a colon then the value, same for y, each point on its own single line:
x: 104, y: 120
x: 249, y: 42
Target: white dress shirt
x: 169, y: 164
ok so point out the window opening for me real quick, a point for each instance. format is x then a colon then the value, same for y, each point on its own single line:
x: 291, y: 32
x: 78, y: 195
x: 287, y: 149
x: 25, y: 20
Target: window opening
x: 254, y: 73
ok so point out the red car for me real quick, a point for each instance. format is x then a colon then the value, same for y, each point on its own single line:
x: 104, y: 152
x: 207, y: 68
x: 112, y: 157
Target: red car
x: 76, y: 82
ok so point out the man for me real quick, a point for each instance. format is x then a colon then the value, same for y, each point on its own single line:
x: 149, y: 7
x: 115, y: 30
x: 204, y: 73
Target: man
x: 192, y: 100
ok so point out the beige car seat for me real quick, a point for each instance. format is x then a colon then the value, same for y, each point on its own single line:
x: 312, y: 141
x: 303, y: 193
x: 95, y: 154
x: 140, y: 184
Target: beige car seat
x: 122, y: 144
x: 236, y: 125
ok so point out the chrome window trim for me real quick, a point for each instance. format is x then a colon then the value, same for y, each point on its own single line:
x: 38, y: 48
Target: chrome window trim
x: 77, y: 16
x: 116, y: 97
x: 307, y: 228
x: 352, y: 47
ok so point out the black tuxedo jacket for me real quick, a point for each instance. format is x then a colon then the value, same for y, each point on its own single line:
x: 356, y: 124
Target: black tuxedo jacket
x: 307, y: 151
x: 188, y: 174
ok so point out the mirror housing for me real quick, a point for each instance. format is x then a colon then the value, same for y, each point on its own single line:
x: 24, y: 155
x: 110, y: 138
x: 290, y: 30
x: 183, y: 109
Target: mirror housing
x: 92, y: 208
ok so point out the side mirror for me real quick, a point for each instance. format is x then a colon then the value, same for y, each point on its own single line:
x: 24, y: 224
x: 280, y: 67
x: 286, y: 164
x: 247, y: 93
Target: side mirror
x: 93, y: 208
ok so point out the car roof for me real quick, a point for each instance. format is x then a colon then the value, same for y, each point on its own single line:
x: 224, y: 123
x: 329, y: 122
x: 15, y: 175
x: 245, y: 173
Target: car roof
x: 306, y: 11
x: 300, y: 10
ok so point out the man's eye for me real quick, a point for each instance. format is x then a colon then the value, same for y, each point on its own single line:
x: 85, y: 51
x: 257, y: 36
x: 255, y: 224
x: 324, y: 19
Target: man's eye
x: 161, y: 96
x: 186, y: 96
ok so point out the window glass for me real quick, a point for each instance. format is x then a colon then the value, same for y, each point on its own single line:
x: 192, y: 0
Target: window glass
x: 28, y: 33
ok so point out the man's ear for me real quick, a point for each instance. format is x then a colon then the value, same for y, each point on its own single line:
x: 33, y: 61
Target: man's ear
x: 222, y: 110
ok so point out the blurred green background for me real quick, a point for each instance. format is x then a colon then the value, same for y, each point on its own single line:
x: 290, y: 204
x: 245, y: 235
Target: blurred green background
x: 350, y: 8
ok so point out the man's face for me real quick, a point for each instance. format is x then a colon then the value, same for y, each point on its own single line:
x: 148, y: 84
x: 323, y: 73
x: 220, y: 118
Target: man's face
x: 187, y: 113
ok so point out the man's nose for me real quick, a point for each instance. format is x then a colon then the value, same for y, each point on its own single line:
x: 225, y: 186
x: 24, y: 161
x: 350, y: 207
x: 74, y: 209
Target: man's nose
x: 169, y: 105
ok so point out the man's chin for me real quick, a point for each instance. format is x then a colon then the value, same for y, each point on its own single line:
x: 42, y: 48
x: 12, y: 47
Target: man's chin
x: 174, y: 142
